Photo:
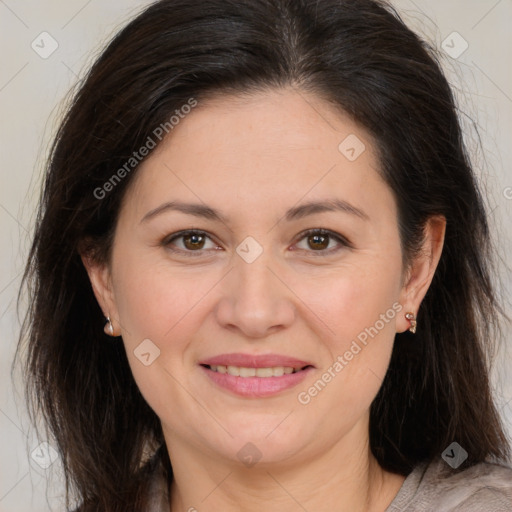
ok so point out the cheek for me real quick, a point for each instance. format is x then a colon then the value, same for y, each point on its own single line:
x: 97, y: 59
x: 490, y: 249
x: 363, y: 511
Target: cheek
x: 358, y: 306
x: 355, y: 355
x: 352, y: 300
x: 166, y: 306
x: 151, y: 300
x: 157, y: 306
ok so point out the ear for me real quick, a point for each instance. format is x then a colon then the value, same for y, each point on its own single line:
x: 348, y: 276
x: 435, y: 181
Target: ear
x: 101, y: 282
x: 421, y: 271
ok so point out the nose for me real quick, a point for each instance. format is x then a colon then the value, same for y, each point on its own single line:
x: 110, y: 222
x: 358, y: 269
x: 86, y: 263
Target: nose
x: 256, y: 300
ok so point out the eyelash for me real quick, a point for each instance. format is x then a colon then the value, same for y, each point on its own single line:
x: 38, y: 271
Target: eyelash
x: 315, y: 231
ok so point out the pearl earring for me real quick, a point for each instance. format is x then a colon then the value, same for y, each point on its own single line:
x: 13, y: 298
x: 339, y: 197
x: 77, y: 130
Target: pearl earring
x: 109, y: 328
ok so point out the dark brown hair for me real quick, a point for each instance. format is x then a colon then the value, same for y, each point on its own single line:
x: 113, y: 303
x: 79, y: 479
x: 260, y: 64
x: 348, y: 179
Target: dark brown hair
x: 359, y: 56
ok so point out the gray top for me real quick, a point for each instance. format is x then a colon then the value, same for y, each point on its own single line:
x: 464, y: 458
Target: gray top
x: 436, y: 487
x: 433, y: 487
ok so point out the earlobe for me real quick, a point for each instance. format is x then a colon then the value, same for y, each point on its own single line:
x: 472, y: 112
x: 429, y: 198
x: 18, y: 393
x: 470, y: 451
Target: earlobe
x: 421, y: 271
x: 101, y: 282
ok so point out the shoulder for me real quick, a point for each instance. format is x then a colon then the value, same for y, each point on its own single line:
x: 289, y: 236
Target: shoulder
x: 436, y: 486
x: 484, y: 486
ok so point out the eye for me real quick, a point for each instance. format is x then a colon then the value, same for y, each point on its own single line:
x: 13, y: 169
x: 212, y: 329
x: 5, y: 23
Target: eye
x: 319, y: 239
x: 192, y: 241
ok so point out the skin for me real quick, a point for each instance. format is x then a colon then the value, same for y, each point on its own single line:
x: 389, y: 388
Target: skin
x: 252, y: 158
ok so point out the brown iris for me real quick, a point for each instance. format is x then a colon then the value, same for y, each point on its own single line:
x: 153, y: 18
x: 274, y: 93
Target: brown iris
x: 193, y: 241
x: 320, y: 241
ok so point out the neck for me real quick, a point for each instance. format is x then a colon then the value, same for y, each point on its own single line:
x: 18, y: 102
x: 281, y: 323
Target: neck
x: 345, y: 478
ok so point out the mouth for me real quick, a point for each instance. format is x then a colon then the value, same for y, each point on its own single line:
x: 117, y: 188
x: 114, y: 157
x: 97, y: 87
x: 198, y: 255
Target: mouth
x: 259, y: 378
x: 246, y: 372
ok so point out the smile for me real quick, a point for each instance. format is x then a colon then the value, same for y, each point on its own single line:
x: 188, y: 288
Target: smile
x: 250, y: 382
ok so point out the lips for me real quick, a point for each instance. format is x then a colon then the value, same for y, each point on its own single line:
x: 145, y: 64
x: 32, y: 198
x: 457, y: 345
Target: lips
x: 255, y: 376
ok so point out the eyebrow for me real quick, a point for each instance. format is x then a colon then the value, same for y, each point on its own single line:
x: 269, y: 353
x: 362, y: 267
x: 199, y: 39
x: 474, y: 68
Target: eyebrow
x: 296, y: 212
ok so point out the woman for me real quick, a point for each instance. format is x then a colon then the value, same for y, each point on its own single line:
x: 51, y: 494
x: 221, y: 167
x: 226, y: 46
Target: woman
x: 270, y: 203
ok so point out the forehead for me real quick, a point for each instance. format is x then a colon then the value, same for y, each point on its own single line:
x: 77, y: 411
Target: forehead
x: 270, y: 148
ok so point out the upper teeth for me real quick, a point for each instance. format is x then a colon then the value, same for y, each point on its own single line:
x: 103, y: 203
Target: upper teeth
x: 241, y: 371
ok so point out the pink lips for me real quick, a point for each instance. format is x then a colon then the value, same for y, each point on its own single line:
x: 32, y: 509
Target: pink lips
x: 256, y: 386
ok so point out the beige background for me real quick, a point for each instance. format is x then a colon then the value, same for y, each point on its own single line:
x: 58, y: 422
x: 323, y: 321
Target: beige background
x: 31, y: 92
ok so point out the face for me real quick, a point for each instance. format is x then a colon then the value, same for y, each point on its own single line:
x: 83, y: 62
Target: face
x: 263, y: 282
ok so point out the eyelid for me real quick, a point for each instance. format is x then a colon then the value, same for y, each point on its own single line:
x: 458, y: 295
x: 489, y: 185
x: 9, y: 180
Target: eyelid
x: 343, y: 241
